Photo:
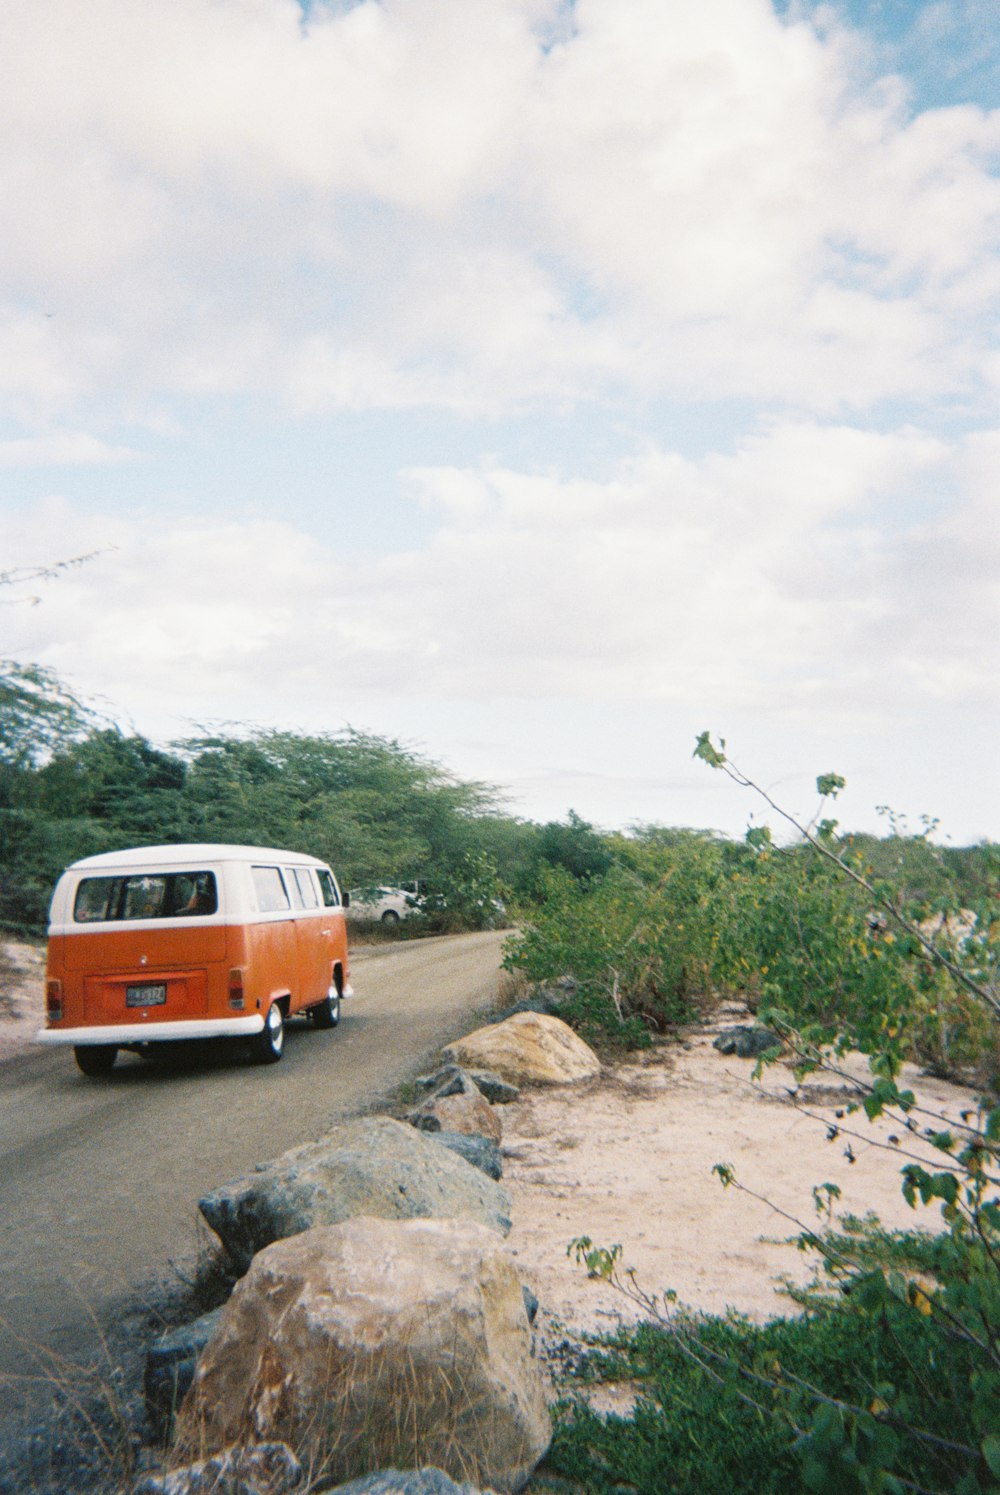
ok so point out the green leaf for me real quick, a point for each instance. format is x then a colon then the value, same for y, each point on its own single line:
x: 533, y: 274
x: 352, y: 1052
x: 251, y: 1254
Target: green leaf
x: 990, y: 1447
x: 829, y: 785
x: 706, y: 750
x: 759, y: 837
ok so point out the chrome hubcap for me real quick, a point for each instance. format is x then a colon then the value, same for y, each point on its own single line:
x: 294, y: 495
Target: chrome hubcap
x: 275, y: 1028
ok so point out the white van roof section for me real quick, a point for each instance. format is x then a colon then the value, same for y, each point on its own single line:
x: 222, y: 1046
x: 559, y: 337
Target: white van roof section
x: 191, y: 854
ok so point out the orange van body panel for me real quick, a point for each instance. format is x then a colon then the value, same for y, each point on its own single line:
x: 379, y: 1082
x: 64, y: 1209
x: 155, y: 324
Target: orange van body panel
x: 96, y: 969
x: 125, y: 949
x: 294, y: 958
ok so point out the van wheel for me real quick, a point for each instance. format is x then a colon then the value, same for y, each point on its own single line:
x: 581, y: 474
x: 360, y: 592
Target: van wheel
x: 96, y: 1059
x: 390, y: 916
x: 270, y: 1043
x: 326, y: 1014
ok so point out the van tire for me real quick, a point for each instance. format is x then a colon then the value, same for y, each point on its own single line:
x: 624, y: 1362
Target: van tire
x: 270, y: 1043
x: 390, y: 916
x: 96, y: 1059
x: 326, y: 1014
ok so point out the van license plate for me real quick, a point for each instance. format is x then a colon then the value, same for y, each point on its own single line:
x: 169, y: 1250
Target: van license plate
x: 145, y: 996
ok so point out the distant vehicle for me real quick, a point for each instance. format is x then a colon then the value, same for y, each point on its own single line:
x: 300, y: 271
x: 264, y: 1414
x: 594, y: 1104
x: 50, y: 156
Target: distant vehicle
x: 389, y: 905
x: 161, y: 943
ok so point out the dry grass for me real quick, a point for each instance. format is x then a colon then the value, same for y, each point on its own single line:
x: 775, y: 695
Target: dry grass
x: 375, y: 1411
x: 81, y: 1425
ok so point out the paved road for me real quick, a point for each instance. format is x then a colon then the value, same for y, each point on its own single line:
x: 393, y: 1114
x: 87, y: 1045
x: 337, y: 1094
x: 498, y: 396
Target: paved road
x: 99, y: 1179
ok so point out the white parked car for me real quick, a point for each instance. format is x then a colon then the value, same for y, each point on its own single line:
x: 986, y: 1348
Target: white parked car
x: 388, y: 904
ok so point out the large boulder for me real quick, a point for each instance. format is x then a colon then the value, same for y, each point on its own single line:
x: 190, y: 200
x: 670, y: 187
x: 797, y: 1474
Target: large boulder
x: 529, y: 1047
x: 377, y: 1343
x: 372, y: 1165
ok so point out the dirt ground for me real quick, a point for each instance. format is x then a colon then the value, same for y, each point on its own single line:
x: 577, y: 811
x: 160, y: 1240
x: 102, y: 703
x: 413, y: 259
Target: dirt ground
x: 22, y: 993
x: 627, y: 1159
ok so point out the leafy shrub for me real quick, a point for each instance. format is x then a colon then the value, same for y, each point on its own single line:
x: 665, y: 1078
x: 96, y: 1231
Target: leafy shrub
x: 943, y: 1403
x: 725, y: 1404
x: 471, y: 896
x: 636, y: 943
x: 794, y: 935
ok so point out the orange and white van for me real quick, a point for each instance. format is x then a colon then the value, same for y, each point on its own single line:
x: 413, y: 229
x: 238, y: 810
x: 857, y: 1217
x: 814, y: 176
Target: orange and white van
x: 162, y: 943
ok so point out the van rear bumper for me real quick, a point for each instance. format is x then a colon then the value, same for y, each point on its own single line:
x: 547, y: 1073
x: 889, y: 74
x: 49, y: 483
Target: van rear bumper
x: 172, y: 1032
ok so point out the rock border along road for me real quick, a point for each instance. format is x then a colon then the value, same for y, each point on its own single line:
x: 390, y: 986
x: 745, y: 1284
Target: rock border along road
x: 99, y: 1180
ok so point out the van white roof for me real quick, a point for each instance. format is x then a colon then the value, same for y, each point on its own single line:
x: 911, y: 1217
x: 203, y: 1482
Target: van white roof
x: 194, y: 855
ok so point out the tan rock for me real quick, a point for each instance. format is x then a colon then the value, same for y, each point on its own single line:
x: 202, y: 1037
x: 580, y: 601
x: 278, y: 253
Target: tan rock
x: 377, y: 1343
x: 470, y: 1113
x: 530, y: 1046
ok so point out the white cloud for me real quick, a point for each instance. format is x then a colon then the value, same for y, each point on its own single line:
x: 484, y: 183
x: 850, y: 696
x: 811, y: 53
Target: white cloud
x: 63, y: 449
x: 815, y: 572
x: 420, y: 202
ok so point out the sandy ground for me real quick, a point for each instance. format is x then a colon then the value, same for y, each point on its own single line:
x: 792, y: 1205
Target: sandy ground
x: 22, y: 994
x: 627, y: 1159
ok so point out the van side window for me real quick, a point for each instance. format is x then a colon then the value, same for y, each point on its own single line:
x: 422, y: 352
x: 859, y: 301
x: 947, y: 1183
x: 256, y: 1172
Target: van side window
x: 291, y: 883
x: 270, y: 890
x: 306, y: 887
x: 146, y: 895
x: 327, y: 887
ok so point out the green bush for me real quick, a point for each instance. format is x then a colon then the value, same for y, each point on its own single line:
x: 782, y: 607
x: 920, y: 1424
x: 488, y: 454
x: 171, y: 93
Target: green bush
x: 724, y: 1405
x: 793, y: 934
x: 636, y: 944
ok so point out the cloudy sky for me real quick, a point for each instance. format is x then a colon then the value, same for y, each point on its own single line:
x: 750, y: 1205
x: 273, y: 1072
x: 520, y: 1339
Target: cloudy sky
x: 540, y: 383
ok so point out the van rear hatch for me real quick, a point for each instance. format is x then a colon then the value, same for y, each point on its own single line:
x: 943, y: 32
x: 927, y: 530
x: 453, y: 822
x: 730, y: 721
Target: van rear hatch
x: 155, y: 995
x: 140, y: 974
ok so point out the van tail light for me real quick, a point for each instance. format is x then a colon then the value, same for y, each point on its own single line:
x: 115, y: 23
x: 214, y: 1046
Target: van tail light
x: 236, y: 987
x: 53, y: 1002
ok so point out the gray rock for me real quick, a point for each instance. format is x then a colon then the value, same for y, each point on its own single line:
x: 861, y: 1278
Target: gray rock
x: 496, y: 1091
x: 549, y: 1006
x: 403, y: 1482
x: 170, y: 1364
x: 260, y: 1469
x: 452, y: 1079
x: 746, y: 1042
x: 530, y: 1303
x: 372, y: 1165
x: 476, y: 1149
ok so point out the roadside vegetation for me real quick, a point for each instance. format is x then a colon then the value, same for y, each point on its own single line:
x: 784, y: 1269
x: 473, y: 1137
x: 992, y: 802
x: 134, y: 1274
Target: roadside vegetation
x: 886, y: 1380
x: 379, y: 811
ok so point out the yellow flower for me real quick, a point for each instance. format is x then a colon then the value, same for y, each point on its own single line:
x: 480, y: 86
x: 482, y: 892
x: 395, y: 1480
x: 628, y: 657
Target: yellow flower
x: 921, y: 1302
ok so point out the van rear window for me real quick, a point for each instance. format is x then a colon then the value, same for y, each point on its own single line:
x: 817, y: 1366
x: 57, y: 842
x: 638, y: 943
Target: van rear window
x: 145, y: 895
